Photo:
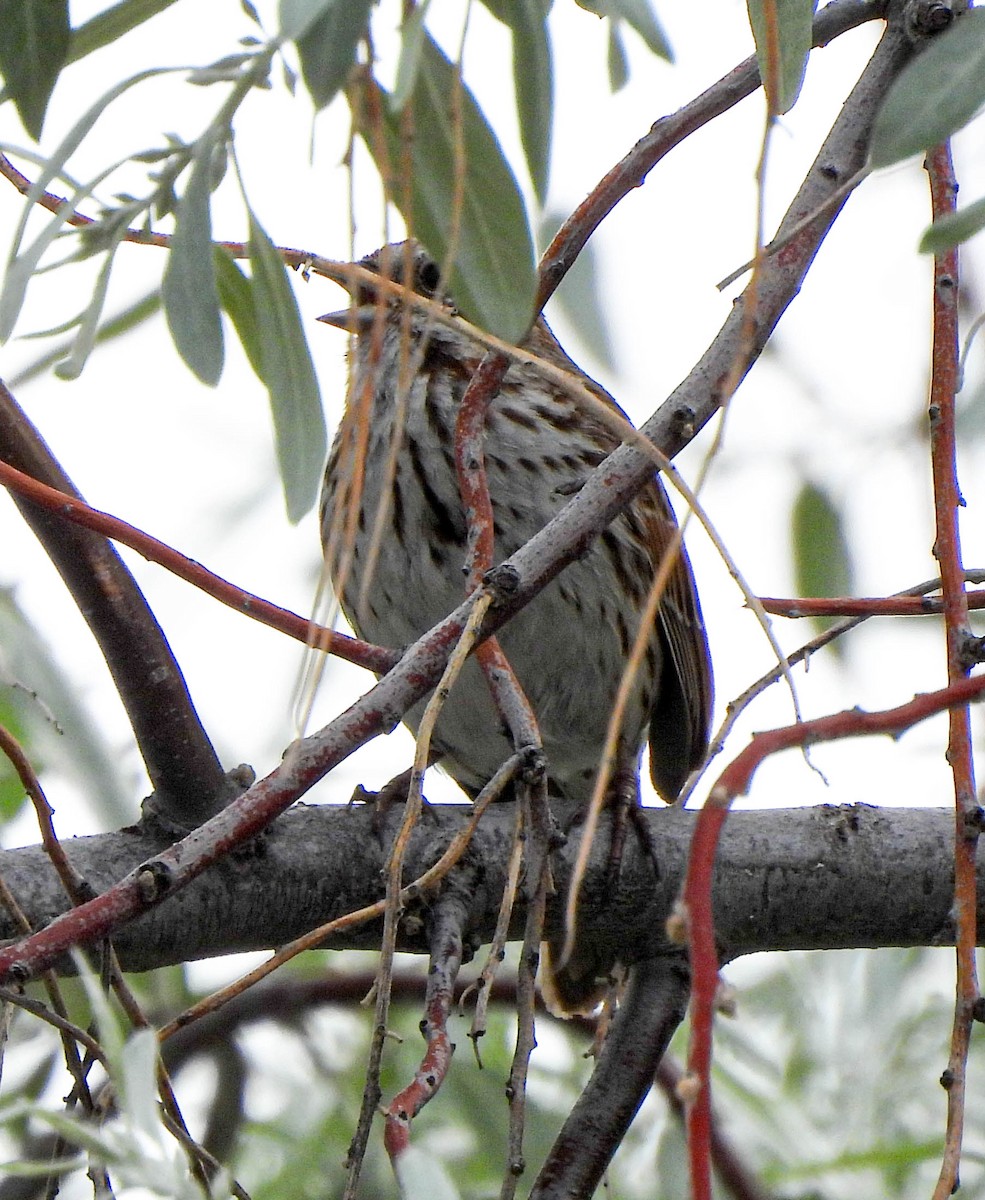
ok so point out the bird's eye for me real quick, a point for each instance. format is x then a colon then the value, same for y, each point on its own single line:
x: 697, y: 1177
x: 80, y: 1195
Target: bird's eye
x: 429, y: 277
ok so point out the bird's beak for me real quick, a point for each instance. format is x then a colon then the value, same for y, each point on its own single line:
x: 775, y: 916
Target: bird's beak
x: 339, y: 319
x: 357, y: 319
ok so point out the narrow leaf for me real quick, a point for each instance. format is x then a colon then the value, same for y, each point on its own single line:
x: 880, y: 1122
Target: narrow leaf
x: 411, y: 47
x: 616, y: 58
x: 578, y: 296
x: 33, y: 48
x: 935, y: 95
x: 295, y: 17
x: 111, y: 24
x: 85, y: 339
x: 327, y: 48
x: 477, y: 211
x: 132, y: 316
x: 21, y: 268
x: 640, y: 16
x: 784, y: 78
x: 954, y: 228
x: 236, y: 297
x: 288, y: 372
x: 533, y: 82
x: 822, y: 557
x: 189, y: 291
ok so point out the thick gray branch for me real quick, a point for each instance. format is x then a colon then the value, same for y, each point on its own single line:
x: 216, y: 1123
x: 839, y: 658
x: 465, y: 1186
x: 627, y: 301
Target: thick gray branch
x: 816, y: 878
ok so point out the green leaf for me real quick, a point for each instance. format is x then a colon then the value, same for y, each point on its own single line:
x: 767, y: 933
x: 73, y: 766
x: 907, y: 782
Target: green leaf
x: 132, y: 316
x: 478, y: 213
x: 935, y: 95
x: 288, y: 372
x: 793, y: 35
x: 295, y: 17
x: 111, y: 24
x: 33, y: 48
x: 640, y: 16
x: 236, y: 297
x: 411, y: 48
x: 327, y: 45
x: 577, y: 296
x: 85, y: 339
x: 617, y: 61
x: 949, y: 230
x: 821, y: 554
x: 189, y: 291
x: 21, y: 265
x: 533, y: 82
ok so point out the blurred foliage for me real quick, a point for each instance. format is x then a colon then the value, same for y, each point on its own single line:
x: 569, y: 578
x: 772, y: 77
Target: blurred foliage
x: 825, y: 1083
x: 822, y: 556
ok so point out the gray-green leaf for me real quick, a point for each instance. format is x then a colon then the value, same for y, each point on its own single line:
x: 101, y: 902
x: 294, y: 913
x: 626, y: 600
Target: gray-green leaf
x: 33, y: 48
x: 327, y: 47
x: 111, y: 24
x: 950, y: 230
x: 479, y: 212
x: 289, y: 374
x: 823, y: 563
x: 935, y: 95
x: 640, y: 15
x: 189, y: 291
x: 533, y: 82
x: 577, y: 296
x: 793, y: 35
x: 236, y: 297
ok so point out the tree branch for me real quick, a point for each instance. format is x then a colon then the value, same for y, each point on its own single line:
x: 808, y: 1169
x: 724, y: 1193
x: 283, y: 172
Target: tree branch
x: 653, y: 1007
x: 781, y: 880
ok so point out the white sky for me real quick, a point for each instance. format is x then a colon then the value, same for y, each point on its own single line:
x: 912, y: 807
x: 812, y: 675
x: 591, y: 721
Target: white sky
x: 838, y: 399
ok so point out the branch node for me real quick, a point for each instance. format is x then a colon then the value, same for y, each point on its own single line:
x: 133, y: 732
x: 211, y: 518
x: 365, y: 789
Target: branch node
x: 153, y: 881
x: 924, y: 18
x: 972, y: 651
x: 503, y: 582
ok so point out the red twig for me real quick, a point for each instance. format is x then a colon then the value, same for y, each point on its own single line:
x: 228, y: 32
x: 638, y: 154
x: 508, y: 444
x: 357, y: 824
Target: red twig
x: 76, y: 888
x: 947, y: 549
x: 446, y: 959
x: 864, y: 606
x: 374, y: 658
x: 697, y: 891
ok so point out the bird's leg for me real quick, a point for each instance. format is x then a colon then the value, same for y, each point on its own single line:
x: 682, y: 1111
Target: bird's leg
x: 627, y: 809
x: 394, y: 791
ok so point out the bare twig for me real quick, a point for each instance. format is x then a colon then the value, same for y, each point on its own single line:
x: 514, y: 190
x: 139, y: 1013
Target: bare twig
x: 71, y: 508
x: 447, y: 927
x: 694, y: 922
x: 947, y: 549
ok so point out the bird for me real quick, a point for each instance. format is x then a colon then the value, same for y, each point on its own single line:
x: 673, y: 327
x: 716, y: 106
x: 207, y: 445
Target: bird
x: 394, y: 533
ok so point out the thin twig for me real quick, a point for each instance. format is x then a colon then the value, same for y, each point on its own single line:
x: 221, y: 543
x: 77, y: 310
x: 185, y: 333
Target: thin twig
x: 447, y: 926
x: 947, y: 549
x: 72, y: 508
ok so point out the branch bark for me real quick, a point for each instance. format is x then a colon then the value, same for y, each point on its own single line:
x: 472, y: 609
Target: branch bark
x: 819, y: 878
